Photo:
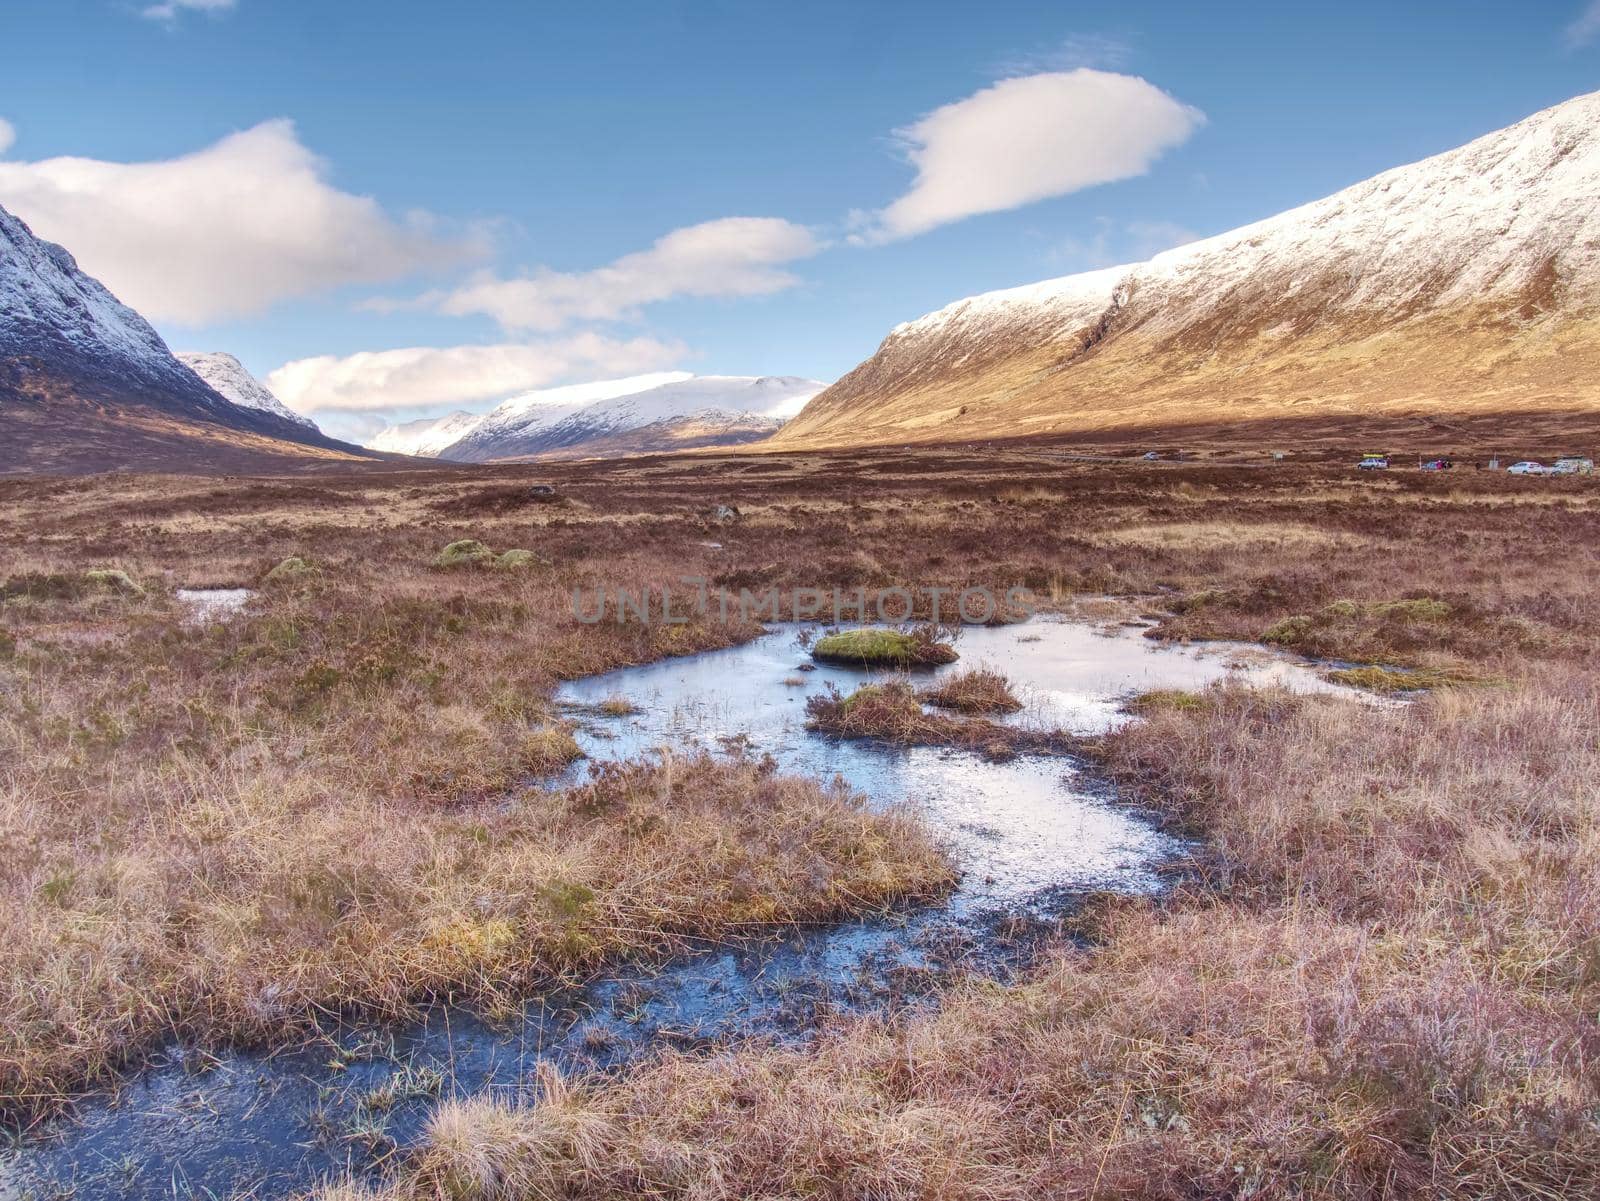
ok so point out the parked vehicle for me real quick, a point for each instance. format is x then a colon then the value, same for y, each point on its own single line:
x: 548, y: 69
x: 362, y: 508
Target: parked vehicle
x: 1529, y: 467
x: 1573, y: 465
x: 1374, y: 463
x: 1437, y: 464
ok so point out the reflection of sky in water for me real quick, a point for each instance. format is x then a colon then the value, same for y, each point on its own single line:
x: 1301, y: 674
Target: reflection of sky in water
x: 1016, y: 827
x: 213, y: 604
x: 1027, y: 833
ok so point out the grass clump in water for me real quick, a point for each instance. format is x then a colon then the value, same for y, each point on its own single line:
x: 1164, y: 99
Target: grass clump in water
x: 921, y: 647
x: 973, y: 691
x: 1166, y: 700
x: 892, y: 712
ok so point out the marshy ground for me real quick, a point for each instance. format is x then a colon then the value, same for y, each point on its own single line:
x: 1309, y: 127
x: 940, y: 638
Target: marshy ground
x: 346, y: 798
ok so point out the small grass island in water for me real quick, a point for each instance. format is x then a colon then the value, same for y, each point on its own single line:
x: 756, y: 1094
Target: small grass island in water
x: 884, y: 648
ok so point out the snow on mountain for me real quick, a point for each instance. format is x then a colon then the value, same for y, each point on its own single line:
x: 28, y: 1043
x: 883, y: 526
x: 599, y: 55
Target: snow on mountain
x: 86, y: 384
x: 651, y: 412
x: 1505, y: 229
x: 229, y: 379
x: 426, y: 436
x: 522, y: 416
x: 61, y: 319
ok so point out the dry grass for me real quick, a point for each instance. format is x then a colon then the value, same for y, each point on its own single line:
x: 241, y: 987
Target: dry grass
x: 892, y: 712
x: 1393, y: 994
x: 240, y: 909
x: 1389, y: 988
x: 975, y: 690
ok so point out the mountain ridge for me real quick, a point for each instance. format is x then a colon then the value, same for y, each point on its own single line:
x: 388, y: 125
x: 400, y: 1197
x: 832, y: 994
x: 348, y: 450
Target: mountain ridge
x: 1462, y: 282
x: 87, y: 384
x: 638, y: 414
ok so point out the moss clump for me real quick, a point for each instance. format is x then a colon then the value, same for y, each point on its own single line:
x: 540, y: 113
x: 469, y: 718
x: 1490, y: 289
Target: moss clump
x: 109, y: 579
x: 290, y: 570
x: 1204, y: 599
x: 883, y: 648
x: 1291, y: 631
x: 465, y: 552
x: 1166, y: 700
x: 516, y: 560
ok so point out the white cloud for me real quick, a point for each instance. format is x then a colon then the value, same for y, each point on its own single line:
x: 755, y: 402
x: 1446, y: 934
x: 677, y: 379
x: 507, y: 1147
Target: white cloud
x: 8, y: 135
x: 169, y: 10
x: 1585, y: 27
x: 420, y: 377
x: 224, y: 232
x: 733, y: 256
x: 1026, y: 139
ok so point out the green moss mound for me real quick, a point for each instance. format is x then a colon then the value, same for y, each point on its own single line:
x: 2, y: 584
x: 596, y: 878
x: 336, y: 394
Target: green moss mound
x: 516, y: 560
x: 466, y: 552
x: 882, y: 648
x: 109, y: 579
x: 1166, y: 700
x: 290, y: 570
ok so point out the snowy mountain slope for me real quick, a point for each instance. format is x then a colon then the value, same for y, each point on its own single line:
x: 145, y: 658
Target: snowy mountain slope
x: 228, y: 378
x: 1468, y: 280
x: 426, y: 436
x: 86, y: 384
x: 52, y: 312
x: 673, y: 410
x: 520, y: 418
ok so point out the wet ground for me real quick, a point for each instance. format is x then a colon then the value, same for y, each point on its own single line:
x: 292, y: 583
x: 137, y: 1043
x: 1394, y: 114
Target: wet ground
x: 206, y: 605
x: 1032, y: 836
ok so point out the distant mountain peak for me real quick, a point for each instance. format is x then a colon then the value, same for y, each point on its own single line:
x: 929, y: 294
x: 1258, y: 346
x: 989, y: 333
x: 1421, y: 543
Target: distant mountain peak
x: 426, y: 436
x: 664, y: 411
x: 228, y: 378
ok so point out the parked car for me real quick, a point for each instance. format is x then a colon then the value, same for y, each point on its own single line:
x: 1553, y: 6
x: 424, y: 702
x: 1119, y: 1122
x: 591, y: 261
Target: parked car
x: 1374, y: 463
x: 1437, y: 465
x: 1529, y: 467
x: 1573, y: 465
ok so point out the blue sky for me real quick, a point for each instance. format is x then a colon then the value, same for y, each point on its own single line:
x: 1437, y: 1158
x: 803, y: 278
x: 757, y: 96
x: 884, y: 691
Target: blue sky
x: 400, y: 170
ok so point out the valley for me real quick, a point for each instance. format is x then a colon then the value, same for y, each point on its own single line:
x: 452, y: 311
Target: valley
x: 368, y: 814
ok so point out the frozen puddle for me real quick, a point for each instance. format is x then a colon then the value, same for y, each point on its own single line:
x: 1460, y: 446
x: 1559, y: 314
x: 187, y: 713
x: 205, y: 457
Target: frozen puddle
x: 1031, y: 835
x: 206, y: 605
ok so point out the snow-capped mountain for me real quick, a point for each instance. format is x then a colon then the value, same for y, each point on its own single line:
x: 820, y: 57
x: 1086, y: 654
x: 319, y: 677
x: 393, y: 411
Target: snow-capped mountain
x: 54, y: 314
x: 515, y: 422
x: 706, y: 410
x: 232, y: 382
x: 87, y: 384
x: 1468, y: 282
x: 426, y: 436
x: 664, y: 411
